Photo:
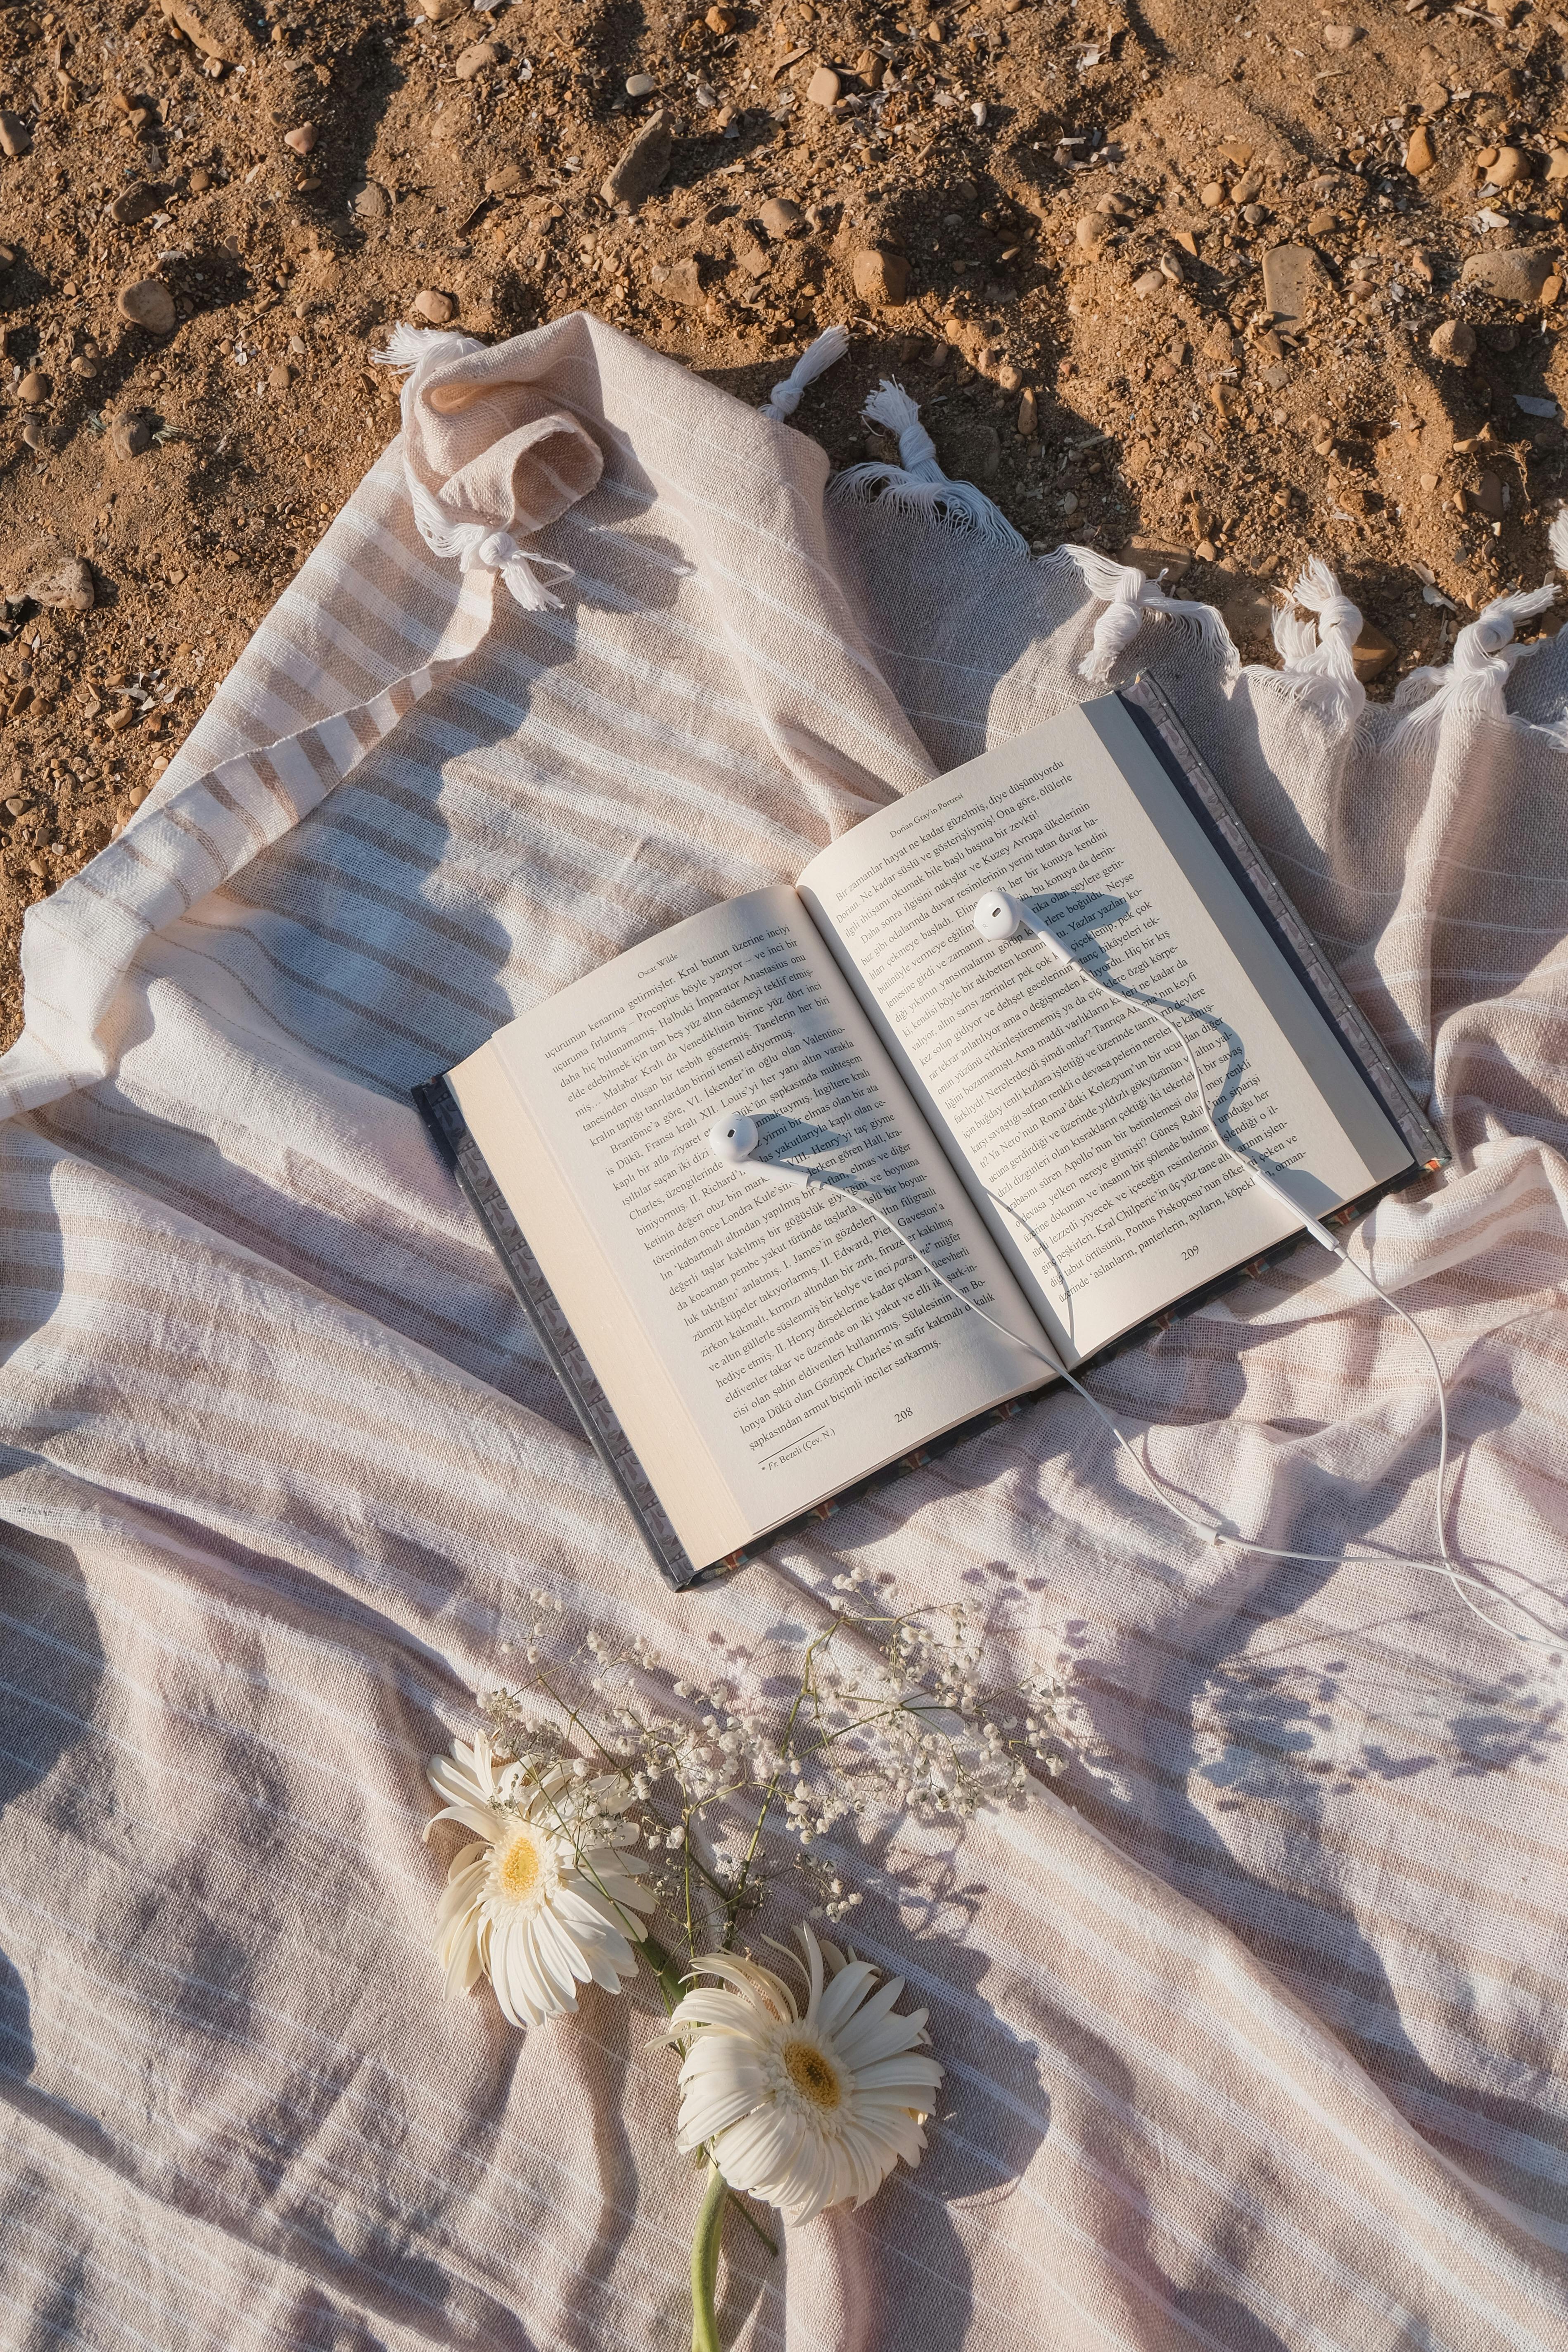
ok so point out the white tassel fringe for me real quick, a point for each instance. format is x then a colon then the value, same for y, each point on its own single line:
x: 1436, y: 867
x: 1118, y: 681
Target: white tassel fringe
x: 467, y: 544
x: 1477, y: 674
x: 1131, y: 595
x: 1323, y: 655
x: 815, y: 360
x: 918, y: 483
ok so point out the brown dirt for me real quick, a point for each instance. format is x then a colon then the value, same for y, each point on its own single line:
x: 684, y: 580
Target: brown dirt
x: 1180, y: 418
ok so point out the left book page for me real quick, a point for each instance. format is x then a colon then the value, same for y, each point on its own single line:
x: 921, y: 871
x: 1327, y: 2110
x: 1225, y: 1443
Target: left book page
x: 762, y: 1347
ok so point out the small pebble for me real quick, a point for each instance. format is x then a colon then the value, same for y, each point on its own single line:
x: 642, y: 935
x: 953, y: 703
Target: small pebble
x: 822, y: 87
x: 147, y: 302
x: 1432, y: 98
x: 880, y: 279
x: 137, y: 202
x: 1512, y: 273
x: 782, y: 216
x: 1509, y: 166
x: 1153, y: 281
x: 1028, y: 415
x: 1340, y: 37
x: 721, y: 20
x: 83, y: 367
x: 435, y: 309
x: 34, y: 389
x: 1212, y: 196
x: 66, y: 586
x: 477, y: 58
x: 201, y: 180
x: 640, y: 85
x: 33, y: 434
x: 1420, y: 155
x: 1292, y: 278
x: 302, y: 138
x: 369, y: 201
x: 1454, y: 339
x: 14, y: 137
x: 280, y: 377
x: 132, y: 436
x: 642, y: 163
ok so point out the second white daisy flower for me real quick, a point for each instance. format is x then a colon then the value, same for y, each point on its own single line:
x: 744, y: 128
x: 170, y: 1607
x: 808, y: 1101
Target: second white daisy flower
x: 803, y: 2109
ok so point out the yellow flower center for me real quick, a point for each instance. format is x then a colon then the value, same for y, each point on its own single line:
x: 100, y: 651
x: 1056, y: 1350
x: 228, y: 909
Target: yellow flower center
x: 811, y: 2073
x: 518, y: 1865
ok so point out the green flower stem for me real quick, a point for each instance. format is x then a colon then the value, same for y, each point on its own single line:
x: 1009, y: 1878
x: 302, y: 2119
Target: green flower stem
x: 705, y: 2263
x: 666, y: 1975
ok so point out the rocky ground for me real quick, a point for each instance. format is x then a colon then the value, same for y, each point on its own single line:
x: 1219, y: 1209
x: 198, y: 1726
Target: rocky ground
x: 1222, y: 285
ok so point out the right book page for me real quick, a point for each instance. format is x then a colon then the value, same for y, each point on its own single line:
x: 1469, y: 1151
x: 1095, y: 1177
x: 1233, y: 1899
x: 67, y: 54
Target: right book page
x: 1073, y: 1120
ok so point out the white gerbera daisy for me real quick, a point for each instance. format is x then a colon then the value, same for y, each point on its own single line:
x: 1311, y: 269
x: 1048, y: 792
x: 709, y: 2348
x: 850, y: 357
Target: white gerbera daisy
x: 804, y: 2111
x: 546, y: 1898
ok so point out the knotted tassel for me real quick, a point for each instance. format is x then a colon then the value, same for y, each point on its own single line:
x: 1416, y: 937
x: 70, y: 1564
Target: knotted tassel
x: 469, y: 545
x: 1322, y: 656
x: 1131, y: 596
x: 918, y: 482
x: 1477, y: 673
x: 815, y: 360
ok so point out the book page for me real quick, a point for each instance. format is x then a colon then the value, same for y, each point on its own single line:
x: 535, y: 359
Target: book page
x: 1073, y: 1119
x: 763, y: 1347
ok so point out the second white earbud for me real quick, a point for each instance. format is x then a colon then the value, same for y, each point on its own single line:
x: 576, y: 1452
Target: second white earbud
x: 734, y: 1137
x: 999, y: 915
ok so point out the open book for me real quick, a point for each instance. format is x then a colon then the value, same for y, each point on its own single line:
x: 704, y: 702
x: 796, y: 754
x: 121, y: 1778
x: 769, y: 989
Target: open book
x: 740, y: 1352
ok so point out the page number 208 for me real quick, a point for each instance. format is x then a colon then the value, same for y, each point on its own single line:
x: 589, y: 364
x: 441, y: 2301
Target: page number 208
x: 905, y: 1413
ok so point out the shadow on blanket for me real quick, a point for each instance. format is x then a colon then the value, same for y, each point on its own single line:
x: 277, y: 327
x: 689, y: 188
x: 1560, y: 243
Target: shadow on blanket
x: 51, y: 1663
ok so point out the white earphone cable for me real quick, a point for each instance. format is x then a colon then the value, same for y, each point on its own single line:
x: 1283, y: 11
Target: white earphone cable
x: 1444, y: 1565
x: 1446, y: 1568
x: 999, y: 915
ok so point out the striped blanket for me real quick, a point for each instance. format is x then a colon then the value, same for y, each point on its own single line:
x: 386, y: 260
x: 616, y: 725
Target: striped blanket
x: 1254, y: 2028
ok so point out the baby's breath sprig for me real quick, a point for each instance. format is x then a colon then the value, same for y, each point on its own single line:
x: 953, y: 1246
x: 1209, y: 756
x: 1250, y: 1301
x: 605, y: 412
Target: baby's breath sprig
x: 883, y: 1712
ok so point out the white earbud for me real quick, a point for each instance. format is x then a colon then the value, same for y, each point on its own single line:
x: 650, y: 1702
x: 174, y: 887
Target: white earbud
x: 999, y: 915
x: 734, y: 1137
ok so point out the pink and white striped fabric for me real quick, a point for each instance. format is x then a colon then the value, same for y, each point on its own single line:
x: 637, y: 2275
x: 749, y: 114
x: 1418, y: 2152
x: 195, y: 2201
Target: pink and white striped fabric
x: 1254, y: 2036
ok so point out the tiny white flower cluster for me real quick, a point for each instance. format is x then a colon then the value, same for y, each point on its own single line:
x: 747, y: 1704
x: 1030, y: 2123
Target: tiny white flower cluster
x: 880, y: 1714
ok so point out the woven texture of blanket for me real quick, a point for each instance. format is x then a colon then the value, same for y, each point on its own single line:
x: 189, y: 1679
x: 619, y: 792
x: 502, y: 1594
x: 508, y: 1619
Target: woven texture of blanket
x: 1254, y: 2041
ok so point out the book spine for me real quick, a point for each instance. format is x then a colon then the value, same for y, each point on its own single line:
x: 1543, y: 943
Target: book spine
x: 1202, y: 791
x: 438, y: 1108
